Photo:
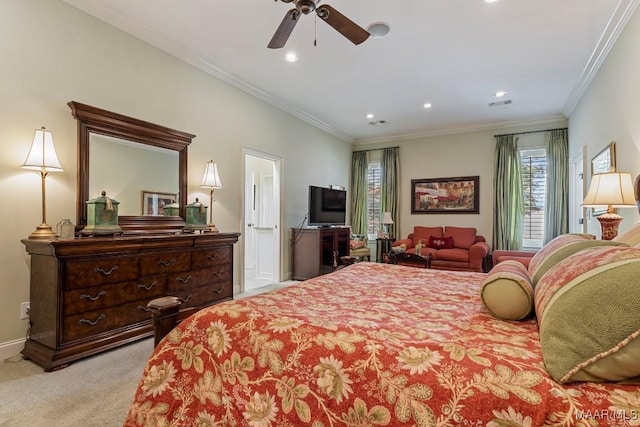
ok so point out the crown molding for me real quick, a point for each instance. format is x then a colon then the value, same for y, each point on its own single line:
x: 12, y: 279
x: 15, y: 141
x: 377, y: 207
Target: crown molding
x: 621, y: 15
x: 493, y: 126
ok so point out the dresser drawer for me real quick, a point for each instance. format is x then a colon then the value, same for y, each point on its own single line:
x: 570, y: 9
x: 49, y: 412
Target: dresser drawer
x: 96, y: 297
x: 204, y: 295
x: 83, y: 274
x: 201, y: 277
x: 166, y: 262
x: 88, y: 324
x: 211, y: 257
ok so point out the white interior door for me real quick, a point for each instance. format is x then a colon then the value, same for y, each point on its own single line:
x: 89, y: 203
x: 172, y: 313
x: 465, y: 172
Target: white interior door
x: 261, y: 219
x: 577, y: 214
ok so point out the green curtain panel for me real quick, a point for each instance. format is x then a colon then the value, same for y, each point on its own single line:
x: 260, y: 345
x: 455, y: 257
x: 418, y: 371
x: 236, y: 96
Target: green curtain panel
x: 359, y: 186
x: 390, y: 188
x: 508, y: 211
x: 556, y: 216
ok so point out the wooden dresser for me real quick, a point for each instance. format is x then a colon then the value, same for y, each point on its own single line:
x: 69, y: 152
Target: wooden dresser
x: 90, y: 295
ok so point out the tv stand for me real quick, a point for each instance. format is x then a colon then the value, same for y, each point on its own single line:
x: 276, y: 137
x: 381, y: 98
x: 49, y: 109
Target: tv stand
x: 317, y: 251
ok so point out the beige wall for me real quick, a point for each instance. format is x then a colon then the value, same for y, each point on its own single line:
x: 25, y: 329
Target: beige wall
x: 52, y: 53
x: 464, y: 154
x: 610, y: 111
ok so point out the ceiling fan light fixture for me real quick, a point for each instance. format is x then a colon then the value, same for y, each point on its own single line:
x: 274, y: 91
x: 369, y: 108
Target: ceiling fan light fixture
x: 378, y: 29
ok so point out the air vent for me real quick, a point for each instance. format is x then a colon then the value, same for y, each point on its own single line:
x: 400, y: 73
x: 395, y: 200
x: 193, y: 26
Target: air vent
x: 378, y: 123
x: 498, y: 104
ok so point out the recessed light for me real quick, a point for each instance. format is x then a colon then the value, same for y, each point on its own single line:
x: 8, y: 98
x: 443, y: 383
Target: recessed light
x: 490, y: 1
x: 427, y: 105
x: 369, y: 116
x: 291, y: 57
x: 500, y: 93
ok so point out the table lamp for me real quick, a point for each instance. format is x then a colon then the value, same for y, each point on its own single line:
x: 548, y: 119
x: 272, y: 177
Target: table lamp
x: 42, y: 158
x: 613, y: 190
x: 386, y: 221
x: 211, y: 180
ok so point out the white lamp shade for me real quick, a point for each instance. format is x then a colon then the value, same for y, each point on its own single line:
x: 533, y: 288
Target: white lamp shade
x: 42, y: 155
x: 386, y: 218
x: 613, y: 189
x: 211, y: 178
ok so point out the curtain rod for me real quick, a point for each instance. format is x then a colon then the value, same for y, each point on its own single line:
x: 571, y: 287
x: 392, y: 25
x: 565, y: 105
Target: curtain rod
x: 531, y: 131
x: 373, y: 149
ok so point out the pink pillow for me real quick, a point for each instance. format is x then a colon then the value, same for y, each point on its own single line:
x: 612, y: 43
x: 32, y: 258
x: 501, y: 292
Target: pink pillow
x: 463, y: 237
x: 423, y: 233
x: 440, y: 242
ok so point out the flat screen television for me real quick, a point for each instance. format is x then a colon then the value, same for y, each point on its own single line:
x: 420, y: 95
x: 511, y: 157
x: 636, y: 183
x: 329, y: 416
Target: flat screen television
x: 327, y: 206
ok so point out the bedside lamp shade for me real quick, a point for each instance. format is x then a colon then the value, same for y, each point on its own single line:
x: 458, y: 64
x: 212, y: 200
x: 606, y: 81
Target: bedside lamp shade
x: 211, y: 180
x: 613, y: 190
x: 42, y: 157
x: 386, y: 221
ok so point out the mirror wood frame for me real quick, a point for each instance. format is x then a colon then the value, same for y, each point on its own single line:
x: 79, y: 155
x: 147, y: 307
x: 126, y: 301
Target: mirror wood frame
x: 96, y: 120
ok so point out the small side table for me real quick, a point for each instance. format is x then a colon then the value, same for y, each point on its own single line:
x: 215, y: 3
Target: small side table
x: 383, y: 247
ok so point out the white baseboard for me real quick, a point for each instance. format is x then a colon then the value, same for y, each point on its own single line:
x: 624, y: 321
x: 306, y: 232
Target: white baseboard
x: 11, y: 348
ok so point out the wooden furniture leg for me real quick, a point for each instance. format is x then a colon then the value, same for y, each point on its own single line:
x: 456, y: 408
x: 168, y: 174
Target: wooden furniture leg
x: 164, y: 312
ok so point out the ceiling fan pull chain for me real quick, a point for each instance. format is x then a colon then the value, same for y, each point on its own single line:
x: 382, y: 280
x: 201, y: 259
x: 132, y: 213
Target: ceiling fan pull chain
x: 315, y: 31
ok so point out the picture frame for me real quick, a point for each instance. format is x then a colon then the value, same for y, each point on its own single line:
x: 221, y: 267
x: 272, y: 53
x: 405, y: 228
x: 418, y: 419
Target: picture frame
x: 153, y: 202
x: 605, y: 160
x: 459, y: 195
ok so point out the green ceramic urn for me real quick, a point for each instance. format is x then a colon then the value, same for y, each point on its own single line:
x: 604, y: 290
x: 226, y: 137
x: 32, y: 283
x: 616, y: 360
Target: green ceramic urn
x: 102, y: 216
x: 196, y: 216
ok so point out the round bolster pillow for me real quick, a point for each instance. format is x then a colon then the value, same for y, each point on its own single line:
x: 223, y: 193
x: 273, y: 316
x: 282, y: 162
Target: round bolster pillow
x: 507, y: 291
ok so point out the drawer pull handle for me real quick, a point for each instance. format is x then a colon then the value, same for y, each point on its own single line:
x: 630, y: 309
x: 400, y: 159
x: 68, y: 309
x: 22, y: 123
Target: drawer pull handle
x: 106, y: 273
x: 185, y: 299
x: 95, y: 322
x: 212, y: 258
x: 147, y: 288
x: 167, y: 263
x: 183, y: 281
x: 142, y: 308
x: 217, y: 274
x: 219, y: 290
x: 89, y: 297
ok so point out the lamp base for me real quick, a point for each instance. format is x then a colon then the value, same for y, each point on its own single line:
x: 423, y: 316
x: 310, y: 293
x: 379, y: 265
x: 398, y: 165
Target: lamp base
x: 212, y: 228
x: 609, y: 223
x: 43, y: 232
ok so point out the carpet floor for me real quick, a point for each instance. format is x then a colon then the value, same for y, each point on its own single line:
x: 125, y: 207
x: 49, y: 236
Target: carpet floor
x: 95, y: 391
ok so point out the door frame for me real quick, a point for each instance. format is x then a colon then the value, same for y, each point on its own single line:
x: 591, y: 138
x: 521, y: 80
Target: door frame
x: 277, y: 194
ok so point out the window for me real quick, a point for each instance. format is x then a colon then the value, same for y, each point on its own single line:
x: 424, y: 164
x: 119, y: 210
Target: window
x: 373, y: 198
x: 534, y: 181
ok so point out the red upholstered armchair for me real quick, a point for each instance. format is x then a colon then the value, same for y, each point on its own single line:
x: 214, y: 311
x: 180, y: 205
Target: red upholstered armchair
x: 451, y: 248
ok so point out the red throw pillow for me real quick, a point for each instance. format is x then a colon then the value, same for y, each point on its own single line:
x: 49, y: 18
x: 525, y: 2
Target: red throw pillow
x: 440, y: 242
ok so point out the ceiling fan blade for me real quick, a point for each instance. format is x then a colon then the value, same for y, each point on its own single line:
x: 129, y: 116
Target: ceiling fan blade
x: 342, y: 24
x: 283, y: 32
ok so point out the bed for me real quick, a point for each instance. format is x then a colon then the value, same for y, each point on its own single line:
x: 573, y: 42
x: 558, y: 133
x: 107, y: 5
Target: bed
x: 368, y: 345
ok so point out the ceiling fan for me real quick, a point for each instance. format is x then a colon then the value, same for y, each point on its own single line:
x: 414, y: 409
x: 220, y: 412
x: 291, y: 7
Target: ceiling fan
x: 338, y: 21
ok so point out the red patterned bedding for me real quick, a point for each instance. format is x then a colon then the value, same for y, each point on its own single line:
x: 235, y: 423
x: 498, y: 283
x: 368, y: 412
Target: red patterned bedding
x: 369, y: 345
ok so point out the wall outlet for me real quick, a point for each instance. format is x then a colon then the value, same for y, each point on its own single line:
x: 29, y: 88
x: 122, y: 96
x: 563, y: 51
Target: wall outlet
x: 25, y: 308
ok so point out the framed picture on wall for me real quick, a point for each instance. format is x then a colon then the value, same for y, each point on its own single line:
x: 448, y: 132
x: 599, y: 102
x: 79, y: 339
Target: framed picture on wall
x: 605, y: 160
x: 445, y: 195
x: 153, y: 203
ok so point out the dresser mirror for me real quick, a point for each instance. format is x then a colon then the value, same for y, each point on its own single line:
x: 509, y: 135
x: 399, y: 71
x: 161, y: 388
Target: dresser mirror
x: 131, y: 160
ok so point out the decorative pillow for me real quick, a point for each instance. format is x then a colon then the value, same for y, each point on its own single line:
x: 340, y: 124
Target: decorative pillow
x: 558, y: 249
x: 356, y: 243
x: 507, y: 292
x: 463, y: 237
x: 587, y: 309
x: 440, y: 242
x: 423, y: 233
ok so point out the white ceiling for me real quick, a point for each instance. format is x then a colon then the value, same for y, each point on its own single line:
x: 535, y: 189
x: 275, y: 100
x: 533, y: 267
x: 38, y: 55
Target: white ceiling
x: 454, y: 54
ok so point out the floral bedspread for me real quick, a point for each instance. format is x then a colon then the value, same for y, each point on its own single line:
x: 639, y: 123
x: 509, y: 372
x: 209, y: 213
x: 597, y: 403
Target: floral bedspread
x: 369, y: 345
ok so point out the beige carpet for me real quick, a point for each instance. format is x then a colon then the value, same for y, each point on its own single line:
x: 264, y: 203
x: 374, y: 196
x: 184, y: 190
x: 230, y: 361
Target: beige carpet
x: 95, y: 391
